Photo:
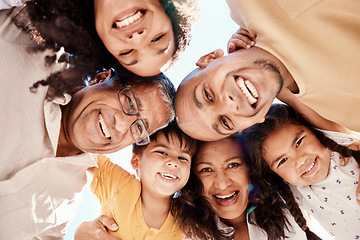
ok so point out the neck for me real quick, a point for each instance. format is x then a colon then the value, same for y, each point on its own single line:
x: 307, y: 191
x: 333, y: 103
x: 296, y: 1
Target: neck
x: 240, y: 226
x: 155, y: 209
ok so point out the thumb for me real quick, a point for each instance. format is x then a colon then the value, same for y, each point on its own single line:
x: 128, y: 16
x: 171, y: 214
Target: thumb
x: 109, y: 223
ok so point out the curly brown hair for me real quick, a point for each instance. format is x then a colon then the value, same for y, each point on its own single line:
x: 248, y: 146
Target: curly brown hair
x: 71, y: 24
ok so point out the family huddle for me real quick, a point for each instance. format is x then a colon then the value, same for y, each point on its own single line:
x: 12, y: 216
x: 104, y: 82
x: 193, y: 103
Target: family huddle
x: 215, y: 157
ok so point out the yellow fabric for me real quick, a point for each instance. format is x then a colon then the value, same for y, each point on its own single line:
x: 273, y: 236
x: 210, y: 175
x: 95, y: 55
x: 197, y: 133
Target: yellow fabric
x: 319, y: 43
x: 119, y: 195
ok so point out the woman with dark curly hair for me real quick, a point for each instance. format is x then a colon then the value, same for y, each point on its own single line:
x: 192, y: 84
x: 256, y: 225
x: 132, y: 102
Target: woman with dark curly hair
x: 222, y: 199
x: 140, y: 36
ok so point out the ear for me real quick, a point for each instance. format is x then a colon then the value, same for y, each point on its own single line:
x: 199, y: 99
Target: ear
x: 208, y: 58
x: 101, y: 77
x: 134, y: 161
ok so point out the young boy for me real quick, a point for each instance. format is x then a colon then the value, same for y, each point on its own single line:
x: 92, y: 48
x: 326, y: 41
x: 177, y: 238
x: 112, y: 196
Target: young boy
x: 142, y: 208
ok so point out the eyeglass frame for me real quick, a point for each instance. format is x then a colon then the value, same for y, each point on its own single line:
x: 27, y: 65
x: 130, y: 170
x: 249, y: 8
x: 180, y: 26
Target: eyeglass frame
x: 146, y: 139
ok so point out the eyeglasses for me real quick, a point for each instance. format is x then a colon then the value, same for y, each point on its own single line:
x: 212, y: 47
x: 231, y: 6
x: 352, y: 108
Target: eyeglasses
x: 130, y: 107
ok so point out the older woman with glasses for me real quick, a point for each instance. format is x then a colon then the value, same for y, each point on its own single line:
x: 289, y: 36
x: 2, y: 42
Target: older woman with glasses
x: 46, y: 153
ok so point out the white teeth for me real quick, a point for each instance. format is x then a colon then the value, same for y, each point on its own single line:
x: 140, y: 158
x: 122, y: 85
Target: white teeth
x: 311, y: 166
x: 226, y: 196
x: 168, y: 176
x: 128, y: 19
x: 248, y: 90
x: 103, y: 126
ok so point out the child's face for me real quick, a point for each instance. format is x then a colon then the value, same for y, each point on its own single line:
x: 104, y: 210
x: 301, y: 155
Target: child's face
x: 164, y: 166
x: 138, y: 33
x: 296, y: 155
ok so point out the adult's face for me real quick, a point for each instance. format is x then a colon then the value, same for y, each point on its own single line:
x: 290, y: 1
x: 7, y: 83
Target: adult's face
x: 297, y: 155
x: 96, y: 122
x: 221, y: 168
x: 137, y: 32
x: 227, y: 93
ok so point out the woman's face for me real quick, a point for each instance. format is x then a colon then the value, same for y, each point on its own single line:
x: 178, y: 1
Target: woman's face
x: 221, y: 167
x: 137, y: 32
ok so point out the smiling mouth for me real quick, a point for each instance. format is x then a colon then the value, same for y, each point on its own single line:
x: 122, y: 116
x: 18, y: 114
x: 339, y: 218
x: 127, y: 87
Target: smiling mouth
x: 310, y: 167
x: 128, y: 19
x: 229, y: 197
x: 249, y: 90
x: 168, y: 176
x: 103, y: 127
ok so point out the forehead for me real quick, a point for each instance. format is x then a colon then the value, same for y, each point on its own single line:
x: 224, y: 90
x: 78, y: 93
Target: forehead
x: 219, y: 151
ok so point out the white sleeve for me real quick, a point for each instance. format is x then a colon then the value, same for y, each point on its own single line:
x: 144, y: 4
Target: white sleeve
x: 6, y: 4
x: 41, y: 199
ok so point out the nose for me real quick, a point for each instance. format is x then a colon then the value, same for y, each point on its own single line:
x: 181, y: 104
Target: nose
x: 172, y: 162
x: 122, y: 121
x: 222, y: 181
x: 300, y: 160
x: 230, y: 103
x: 137, y: 35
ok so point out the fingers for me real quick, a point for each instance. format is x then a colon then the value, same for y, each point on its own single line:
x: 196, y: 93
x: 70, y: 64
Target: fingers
x: 107, y: 222
x: 242, y: 38
x: 96, y: 229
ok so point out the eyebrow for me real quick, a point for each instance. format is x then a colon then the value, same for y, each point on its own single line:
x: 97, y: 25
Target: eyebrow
x: 130, y: 63
x: 140, y: 105
x: 293, y: 142
x: 161, y: 51
x: 196, y: 101
x: 226, y: 161
x: 135, y: 61
x: 215, y: 126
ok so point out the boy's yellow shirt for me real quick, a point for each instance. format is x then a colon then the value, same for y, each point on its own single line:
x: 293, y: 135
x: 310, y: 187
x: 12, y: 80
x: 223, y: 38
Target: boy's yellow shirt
x: 119, y: 195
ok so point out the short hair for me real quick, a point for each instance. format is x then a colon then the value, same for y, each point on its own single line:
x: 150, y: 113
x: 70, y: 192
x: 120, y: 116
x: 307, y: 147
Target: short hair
x: 170, y: 131
x: 161, y: 81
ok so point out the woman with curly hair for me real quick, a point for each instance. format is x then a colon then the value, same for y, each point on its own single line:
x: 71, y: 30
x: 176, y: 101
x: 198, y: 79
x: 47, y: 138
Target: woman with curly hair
x: 140, y: 36
x: 304, y: 164
x: 222, y: 199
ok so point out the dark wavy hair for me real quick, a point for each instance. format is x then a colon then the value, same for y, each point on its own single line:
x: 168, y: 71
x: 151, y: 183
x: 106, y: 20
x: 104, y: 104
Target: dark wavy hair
x: 71, y: 24
x: 196, y: 217
x: 277, y: 117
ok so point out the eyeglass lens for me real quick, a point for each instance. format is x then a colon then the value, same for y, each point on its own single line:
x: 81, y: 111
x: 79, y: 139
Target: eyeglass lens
x: 129, y: 105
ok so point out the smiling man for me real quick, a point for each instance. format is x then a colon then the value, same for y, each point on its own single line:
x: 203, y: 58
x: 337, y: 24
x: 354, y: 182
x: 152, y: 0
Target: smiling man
x: 311, y: 45
x: 47, y: 149
x: 227, y: 94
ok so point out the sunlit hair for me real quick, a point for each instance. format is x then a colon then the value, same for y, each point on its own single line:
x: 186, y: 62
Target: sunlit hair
x: 194, y: 213
x: 182, y: 14
x: 71, y: 24
x: 278, y: 116
x: 170, y: 132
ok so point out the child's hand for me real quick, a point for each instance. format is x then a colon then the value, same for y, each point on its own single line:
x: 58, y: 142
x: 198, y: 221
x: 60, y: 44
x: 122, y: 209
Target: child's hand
x: 241, y: 39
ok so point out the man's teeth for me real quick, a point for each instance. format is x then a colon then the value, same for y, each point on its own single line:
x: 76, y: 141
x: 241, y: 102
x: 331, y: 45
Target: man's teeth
x: 232, y: 195
x: 128, y: 19
x: 248, y: 89
x: 168, y: 176
x: 311, y: 166
x: 103, y: 126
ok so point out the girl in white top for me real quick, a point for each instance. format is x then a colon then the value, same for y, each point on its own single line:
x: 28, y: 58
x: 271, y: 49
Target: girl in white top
x: 285, y: 147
